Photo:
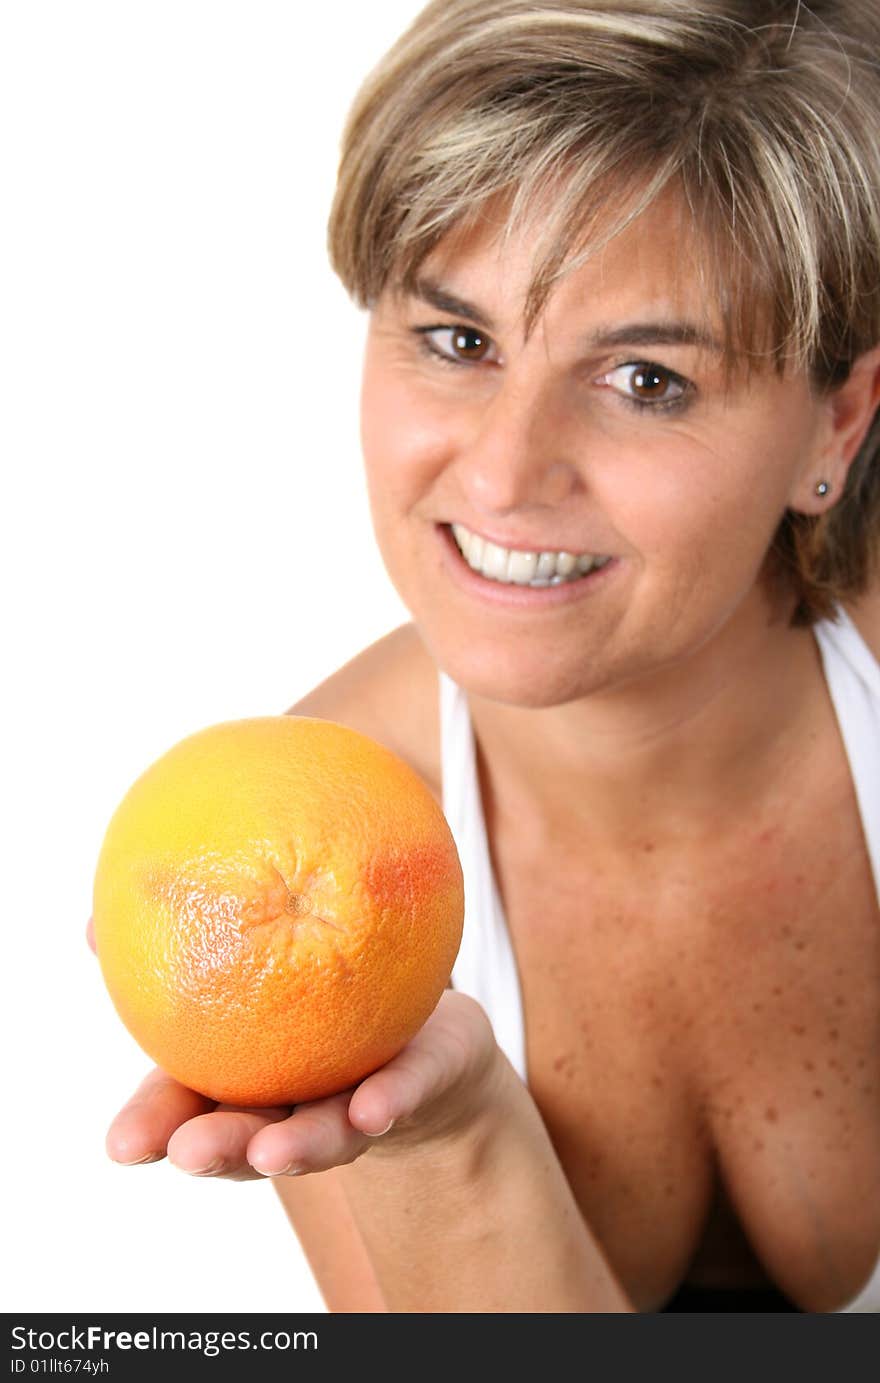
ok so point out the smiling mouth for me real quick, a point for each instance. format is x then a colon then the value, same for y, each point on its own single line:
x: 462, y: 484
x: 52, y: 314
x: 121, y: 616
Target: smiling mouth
x: 513, y: 567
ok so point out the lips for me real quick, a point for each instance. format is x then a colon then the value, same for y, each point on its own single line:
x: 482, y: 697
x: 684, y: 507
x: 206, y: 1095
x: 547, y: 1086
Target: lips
x: 516, y: 595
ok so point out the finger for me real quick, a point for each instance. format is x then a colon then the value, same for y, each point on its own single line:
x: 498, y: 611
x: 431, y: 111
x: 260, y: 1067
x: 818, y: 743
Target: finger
x: 216, y: 1144
x: 142, y: 1128
x: 316, y: 1137
x: 454, y: 1043
x: 90, y: 934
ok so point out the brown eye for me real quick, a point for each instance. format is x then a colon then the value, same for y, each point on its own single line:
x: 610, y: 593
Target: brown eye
x: 458, y: 345
x: 468, y: 344
x: 645, y: 385
x: 650, y: 382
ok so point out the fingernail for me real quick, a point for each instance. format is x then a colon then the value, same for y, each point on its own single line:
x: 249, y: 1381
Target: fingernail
x: 293, y: 1169
x: 211, y: 1169
x: 389, y: 1125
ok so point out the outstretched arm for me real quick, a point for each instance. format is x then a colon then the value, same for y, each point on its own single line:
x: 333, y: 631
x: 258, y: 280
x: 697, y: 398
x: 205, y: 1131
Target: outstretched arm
x: 432, y: 1186
x: 479, y: 1219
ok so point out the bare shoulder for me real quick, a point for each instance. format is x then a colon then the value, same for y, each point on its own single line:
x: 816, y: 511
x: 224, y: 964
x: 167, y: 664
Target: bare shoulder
x: 388, y: 691
x: 865, y: 615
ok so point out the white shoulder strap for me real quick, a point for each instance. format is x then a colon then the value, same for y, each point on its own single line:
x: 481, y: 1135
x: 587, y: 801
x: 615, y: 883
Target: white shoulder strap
x: 853, y: 677
x: 485, y: 966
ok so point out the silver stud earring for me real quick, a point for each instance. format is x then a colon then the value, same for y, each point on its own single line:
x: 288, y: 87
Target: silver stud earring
x: 822, y: 489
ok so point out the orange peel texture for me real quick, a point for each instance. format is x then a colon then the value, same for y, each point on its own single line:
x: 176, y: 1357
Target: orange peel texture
x: 278, y: 903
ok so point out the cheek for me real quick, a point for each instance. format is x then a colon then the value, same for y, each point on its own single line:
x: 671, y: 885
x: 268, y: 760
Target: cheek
x: 693, y: 494
x: 403, y: 439
x: 697, y: 510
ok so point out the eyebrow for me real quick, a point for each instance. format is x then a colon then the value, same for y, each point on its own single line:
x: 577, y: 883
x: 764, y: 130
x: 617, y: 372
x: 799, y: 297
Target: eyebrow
x: 659, y: 333
x: 656, y: 334
x: 430, y: 291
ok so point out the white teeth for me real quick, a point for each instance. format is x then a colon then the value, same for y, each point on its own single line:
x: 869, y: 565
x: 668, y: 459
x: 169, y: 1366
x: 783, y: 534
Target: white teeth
x: 476, y: 548
x: 522, y: 568
x: 494, y: 562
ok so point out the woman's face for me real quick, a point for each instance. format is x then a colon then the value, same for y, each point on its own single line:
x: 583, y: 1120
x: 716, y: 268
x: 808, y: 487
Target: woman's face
x: 611, y: 433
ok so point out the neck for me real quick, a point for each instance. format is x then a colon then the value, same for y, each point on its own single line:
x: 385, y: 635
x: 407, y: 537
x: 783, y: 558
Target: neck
x: 678, y: 754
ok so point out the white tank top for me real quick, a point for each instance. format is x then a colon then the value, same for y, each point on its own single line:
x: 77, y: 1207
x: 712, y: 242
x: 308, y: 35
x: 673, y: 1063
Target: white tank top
x: 486, y: 968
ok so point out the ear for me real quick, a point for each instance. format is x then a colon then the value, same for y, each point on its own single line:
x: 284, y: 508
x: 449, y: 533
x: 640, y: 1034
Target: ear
x: 847, y: 413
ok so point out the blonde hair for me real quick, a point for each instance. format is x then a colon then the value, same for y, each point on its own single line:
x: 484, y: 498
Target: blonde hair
x: 764, y: 115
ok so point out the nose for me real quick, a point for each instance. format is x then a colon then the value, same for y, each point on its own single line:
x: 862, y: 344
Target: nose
x: 517, y: 453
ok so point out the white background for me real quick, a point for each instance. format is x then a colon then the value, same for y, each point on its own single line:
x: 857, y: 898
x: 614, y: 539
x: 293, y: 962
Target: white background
x: 185, y: 540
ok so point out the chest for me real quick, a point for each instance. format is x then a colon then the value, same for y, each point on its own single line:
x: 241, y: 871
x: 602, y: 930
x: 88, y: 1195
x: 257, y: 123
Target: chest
x: 704, y: 1045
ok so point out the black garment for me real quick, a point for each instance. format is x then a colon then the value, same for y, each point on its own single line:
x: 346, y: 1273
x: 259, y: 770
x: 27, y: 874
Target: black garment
x: 729, y: 1299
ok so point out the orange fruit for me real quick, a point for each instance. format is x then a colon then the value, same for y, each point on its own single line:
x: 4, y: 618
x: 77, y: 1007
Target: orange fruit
x: 278, y: 903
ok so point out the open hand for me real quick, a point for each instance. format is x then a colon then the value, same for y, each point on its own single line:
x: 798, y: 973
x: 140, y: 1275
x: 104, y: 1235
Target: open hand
x: 433, y: 1087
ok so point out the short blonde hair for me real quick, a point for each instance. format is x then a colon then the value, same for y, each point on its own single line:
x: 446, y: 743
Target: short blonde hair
x: 763, y: 114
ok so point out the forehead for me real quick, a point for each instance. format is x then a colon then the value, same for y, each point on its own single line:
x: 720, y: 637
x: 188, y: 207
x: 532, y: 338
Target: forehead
x: 654, y: 265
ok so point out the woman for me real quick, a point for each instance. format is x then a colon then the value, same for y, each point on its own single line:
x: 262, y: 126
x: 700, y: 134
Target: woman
x: 622, y: 264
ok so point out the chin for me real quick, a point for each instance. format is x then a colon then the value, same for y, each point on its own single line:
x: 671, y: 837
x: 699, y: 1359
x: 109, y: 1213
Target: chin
x: 513, y: 677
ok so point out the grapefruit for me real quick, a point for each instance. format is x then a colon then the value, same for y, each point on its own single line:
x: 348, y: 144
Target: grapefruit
x: 278, y: 903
